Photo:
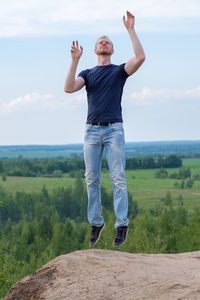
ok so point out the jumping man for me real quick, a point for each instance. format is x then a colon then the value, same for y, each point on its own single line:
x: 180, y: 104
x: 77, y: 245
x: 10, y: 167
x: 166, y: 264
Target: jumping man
x: 104, y: 128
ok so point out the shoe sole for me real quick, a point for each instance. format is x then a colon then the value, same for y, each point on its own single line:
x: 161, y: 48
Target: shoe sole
x: 123, y: 241
x: 98, y: 237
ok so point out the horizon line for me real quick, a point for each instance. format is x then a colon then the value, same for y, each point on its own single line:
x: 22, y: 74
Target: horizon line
x: 81, y: 143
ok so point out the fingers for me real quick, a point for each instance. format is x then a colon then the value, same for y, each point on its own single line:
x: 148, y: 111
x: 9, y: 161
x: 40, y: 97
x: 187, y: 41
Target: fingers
x: 75, y: 47
x: 75, y: 44
x: 129, y: 15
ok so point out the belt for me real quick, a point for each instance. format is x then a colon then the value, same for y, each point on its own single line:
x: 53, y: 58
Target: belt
x: 102, y: 124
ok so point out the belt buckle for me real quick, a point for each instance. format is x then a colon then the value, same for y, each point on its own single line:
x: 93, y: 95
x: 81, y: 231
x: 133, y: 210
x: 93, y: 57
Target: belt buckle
x: 103, y: 124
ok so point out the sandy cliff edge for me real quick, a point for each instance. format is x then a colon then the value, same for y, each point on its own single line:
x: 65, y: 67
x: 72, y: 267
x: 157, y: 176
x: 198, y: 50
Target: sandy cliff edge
x: 112, y: 275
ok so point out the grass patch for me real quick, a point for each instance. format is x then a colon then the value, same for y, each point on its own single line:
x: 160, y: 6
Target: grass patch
x: 29, y: 184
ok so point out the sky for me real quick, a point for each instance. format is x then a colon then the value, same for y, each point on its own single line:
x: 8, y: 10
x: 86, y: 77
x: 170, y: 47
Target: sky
x: 161, y: 101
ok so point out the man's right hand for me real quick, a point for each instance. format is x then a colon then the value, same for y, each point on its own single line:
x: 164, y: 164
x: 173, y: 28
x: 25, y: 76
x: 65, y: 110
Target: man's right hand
x: 71, y: 84
x: 75, y: 51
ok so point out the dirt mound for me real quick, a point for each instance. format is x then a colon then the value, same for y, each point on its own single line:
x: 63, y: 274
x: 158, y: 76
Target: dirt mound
x: 113, y: 275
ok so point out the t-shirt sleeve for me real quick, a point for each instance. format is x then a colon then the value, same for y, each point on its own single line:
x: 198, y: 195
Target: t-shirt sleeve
x: 123, y: 71
x: 83, y: 74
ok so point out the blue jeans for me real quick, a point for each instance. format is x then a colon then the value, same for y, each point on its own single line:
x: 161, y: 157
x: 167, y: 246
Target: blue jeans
x: 112, y: 139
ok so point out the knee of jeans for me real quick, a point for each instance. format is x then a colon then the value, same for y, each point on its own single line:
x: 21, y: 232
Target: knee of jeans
x: 119, y: 180
x: 92, y: 178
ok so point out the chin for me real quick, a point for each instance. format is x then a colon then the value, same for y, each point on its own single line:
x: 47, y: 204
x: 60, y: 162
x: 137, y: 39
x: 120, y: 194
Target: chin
x: 103, y: 52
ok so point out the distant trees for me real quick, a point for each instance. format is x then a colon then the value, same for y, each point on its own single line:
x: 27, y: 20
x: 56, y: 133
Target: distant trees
x: 147, y: 162
x: 188, y: 183
x: 161, y: 173
x: 56, y: 167
x: 172, y: 161
x: 51, y: 167
x: 183, y: 173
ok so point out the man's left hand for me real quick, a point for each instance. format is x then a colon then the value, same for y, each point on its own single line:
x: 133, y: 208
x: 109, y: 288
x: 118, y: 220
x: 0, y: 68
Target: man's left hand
x: 130, y: 21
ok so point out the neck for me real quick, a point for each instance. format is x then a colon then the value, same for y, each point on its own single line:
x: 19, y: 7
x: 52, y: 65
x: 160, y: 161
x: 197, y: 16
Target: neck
x: 104, y: 60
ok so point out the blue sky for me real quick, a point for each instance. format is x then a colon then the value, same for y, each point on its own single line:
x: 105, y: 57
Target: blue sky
x: 160, y: 102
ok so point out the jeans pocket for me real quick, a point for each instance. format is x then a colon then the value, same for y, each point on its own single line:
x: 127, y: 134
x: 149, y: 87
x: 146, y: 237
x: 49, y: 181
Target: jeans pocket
x: 117, y: 126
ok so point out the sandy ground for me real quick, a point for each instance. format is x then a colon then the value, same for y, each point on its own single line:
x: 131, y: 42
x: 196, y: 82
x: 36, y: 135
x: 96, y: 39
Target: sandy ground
x: 113, y: 275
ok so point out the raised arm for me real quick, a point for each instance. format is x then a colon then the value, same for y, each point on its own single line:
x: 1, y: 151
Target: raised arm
x: 71, y: 84
x: 134, y: 63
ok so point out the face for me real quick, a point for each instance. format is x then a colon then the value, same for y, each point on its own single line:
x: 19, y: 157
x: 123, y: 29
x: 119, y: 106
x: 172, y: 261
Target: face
x: 104, y: 46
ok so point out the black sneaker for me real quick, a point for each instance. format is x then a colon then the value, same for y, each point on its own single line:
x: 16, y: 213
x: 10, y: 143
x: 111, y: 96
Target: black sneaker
x: 121, y: 235
x: 95, y: 234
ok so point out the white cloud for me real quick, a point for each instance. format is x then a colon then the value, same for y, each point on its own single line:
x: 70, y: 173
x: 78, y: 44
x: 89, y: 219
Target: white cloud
x: 148, y: 97
x: 35, y: 102
x: 50, y: 17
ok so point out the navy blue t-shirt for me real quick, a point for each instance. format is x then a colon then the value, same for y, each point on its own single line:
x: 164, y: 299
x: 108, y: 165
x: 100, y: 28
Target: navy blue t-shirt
x: 104, y: 86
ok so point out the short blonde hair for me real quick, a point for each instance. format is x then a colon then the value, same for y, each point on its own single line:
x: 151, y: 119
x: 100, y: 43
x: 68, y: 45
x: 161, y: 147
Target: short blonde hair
x: 104, y: 37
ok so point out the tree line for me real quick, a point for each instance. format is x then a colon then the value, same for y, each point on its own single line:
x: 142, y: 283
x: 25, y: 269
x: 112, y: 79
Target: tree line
x: 56, y: 167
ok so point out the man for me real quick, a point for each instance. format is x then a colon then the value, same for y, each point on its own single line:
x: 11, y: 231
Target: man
x: 104, y: 129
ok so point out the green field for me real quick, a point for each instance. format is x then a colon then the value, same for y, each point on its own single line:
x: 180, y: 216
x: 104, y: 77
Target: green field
x: 29, y: 184
x: 146, y: 189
